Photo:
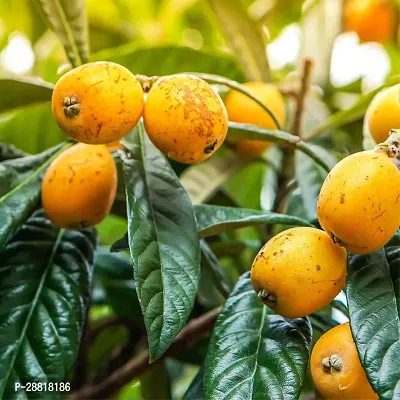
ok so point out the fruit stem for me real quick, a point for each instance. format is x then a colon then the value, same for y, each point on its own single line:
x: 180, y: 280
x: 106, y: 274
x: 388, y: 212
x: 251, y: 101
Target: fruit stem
x: 391, y: 146
x: 72, y: 106
x: 334, y: 362
x: 146, y: 82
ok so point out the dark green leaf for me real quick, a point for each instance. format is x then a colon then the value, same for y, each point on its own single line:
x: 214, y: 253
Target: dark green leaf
x: 245, y: 38
x: 196, y: 353
x: 35, y: 136
x: 254, y: 353
x: 175, y: 59
x: 23, y: 92
x: 239, y: 131
x: 355, y: 112
x: 20, y: 183
x: 212, y: 220
x: 310, y: 177
x: 116, y: 275
x: 163, y: 240
x: 195, y: 390
x: 67, y: 18
x: 322, y: 322
x: 373, y: 293
x: 121, y: 244
x: 10, y: 152
x: 45, y: 280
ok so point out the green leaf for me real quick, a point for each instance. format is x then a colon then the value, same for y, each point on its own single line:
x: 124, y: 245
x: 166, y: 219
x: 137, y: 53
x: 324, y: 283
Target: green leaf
x: 355, y: 112
x: 245, y: 38
x: 103, y: 345
x: 310, y: 177
x: 21, y: 178
x: 195, y: 390
x: 254, y: 353
x: 269, y: 183
x: 280, y: 16
x: 45, y: 281
x: 322, y: 322
x: 202, y: 181
x: 163, y: 240
x: 213, y: 220
x: 23, y: 92
x: 10, y: 152
x: 121, y: 244
x: 373, y: 294
x: 162, y: 390
x: 250, y: 180
x: 239, y: 131
x: 210, y: 261
x: 40, y: 133
x: 175, y: 59
x: 116, y: 275
x: 67, y: 18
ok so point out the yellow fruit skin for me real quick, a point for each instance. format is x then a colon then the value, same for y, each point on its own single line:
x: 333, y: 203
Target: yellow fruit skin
x: 242, y: 109
x: 302, y: 268
x: 349, y: 383
x: 383, y: 113
x: 359, y: 201
x: 79, y: 186
x: 185, y: 118
x: 373, y: 20
x: 109, y: 97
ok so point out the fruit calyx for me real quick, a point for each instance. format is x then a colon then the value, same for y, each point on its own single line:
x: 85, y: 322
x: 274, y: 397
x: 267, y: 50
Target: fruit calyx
x: 146, y: 82
x: 332, y: 363
x: 72, y: 106
x: 266, y: 297
x: 391, y: 146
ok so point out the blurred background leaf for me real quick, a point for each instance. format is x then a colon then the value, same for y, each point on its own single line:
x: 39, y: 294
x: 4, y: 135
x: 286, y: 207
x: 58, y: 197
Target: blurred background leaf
x: 245, y: 38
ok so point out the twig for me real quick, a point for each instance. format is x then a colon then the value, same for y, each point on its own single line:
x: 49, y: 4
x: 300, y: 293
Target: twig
x: 301, y: 97
x: 283, y: 192
x: 106, y: 323
x: 136, y: 366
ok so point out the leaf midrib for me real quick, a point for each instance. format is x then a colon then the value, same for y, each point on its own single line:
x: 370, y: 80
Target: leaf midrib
x: 34, y: 304
x: 264, y: 312
x: 69, y: 33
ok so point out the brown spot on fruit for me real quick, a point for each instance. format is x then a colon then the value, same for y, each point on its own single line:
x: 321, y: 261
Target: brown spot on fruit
x: 193, y: 118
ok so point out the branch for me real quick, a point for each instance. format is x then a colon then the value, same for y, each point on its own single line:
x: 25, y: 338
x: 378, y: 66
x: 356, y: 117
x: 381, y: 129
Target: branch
x: 108, y: 322
x: 301, y: 97
x: 138, y: 365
